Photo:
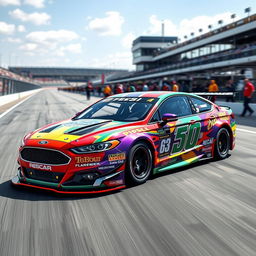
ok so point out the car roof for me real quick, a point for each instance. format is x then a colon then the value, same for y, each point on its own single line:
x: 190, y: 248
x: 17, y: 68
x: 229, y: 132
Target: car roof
x: 150, y: 94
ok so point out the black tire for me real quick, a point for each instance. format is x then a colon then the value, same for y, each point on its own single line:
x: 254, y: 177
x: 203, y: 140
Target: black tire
x: 139, y: 164
x: 222, y: 144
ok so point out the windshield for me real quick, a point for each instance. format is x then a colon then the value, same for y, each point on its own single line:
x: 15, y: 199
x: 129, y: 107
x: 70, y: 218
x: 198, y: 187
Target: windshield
x: 119, y: 109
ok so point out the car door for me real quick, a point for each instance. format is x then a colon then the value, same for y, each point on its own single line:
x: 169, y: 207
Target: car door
x: 178, y: 140
x: 208, y: 118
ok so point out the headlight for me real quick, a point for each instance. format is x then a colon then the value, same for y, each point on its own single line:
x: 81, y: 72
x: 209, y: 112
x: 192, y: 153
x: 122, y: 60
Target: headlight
x: 97, y: 147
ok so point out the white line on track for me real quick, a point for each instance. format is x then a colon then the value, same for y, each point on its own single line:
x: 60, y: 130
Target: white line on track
x: 13, y: 107
x: 244, y: 130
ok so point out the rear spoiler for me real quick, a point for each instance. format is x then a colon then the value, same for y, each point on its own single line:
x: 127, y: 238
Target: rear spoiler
x: 210, y: 95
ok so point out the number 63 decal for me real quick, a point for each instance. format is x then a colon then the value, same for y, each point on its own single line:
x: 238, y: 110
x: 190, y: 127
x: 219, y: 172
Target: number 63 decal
x: 185, y: 137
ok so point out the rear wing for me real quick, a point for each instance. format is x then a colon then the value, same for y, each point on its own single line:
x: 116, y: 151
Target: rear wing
x: 210, y: 95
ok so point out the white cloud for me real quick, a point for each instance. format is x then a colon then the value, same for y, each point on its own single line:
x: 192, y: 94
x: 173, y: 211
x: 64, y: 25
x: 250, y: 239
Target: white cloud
x: 14, y: 40
x: 71, y: 48
x: 6, y: 29
x: 155, y: 27
x: 186, y: 26
x: 28, y: 47
x: 111, y: 25
x: 52, y: 36
x: 21, y: 28
x: 35, y: 3
x: 201, y: 22
x: 37, y: 18
x: 115, y: 60
x: 9, y: 2
x: 127, y: 40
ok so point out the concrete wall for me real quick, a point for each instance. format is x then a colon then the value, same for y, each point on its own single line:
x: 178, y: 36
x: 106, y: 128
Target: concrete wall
x: 15, y: 96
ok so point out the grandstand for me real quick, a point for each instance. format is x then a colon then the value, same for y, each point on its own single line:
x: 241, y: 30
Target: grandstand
x: 229, y: 50
x: 69, y: 75
x: 13, y: 83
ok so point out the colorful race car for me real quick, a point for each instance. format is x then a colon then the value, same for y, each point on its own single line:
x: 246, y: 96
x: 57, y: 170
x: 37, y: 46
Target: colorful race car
x: 124, y: 139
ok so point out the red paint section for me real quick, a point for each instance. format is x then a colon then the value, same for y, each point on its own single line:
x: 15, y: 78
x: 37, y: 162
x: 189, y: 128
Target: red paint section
x: 70, y: 192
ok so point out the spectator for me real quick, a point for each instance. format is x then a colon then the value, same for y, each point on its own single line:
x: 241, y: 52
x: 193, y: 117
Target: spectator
x: 248, y: 92
x: 175, y: 87
x: 165, y: 87
x: 99, y: 90
x: 230, y: 88
x: 88, y: 90
x: 119, y: 89
x: 213, y: 87
x: 145, y: 87
x: 107, y: 91
x: 132, y: 88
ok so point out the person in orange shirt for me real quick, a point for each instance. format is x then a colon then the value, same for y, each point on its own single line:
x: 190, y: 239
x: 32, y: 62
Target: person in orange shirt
x: 107, y: 91
x: 213, y: 87
x: 175, y: 87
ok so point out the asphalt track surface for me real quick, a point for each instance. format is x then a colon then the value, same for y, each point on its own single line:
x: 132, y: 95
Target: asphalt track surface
x: 206, y: 209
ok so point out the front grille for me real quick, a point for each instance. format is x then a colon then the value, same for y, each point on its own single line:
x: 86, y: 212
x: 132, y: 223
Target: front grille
x: 44, y: 156
x: 49, y: 176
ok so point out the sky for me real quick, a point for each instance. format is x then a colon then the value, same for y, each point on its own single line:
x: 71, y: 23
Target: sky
x: 99, y: 34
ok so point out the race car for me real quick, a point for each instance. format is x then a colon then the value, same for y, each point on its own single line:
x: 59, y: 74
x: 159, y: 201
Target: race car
x: 123, y: 139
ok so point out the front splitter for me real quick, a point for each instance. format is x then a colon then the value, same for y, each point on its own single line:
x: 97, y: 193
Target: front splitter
x: 15, y: 181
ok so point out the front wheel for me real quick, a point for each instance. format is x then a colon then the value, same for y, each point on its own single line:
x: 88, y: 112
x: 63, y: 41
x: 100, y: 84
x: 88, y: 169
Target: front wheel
x: 222, y: 144
x: 139, y: 164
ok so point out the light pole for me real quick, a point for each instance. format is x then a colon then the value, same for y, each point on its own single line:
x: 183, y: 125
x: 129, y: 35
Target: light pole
x: 233, y: 16
x: 247, y: 10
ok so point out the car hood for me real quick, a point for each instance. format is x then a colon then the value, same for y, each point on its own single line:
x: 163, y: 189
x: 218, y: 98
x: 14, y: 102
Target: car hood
x: 74, y: 130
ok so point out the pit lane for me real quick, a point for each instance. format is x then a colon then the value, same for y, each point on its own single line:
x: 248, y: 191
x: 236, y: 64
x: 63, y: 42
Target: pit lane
x: 205, y: 209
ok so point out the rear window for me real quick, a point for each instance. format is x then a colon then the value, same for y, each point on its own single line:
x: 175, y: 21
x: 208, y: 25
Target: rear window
x: 201, y: 105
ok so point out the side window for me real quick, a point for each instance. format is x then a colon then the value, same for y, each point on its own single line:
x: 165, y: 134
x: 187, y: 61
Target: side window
x: 201, y: 105
x: 177, y: 105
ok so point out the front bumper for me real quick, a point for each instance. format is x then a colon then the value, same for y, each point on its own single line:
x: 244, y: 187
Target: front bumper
x: 108, y: 182
x: 102, y: 189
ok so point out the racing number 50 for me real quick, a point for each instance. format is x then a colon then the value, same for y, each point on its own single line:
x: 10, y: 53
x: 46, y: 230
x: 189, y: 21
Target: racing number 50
x: 185, y: 137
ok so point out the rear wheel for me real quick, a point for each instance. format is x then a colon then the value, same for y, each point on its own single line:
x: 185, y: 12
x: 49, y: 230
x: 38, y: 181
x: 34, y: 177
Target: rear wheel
x: 139, y: 164
x: 222, y: 144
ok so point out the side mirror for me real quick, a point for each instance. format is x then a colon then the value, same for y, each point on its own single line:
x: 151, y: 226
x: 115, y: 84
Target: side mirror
x: 169, y: 118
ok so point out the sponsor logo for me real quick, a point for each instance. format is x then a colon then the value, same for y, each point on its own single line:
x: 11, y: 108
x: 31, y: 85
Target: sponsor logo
x: 143, y: 129
x: 87, y: 165
x: 116, y: 157
x: 106, y: 167
x: 40, y: 166
x: 87, y: 159
x: 42, y: 142
x: 127, y: 99
x: 223, y: 116
x: 207, y: 142
x: 211, y: 123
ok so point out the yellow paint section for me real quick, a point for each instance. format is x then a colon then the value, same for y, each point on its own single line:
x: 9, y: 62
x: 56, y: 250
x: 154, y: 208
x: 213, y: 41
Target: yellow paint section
x: 57, y: 135
x: 190, y: 155
x: 180, y: 153
x: 234, y: 130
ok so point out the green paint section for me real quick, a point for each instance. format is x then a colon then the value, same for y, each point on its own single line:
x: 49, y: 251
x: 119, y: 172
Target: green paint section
x: 233, y: 124
x: 40, y: 182
x: 83, y: 187
x: 177, y: 165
